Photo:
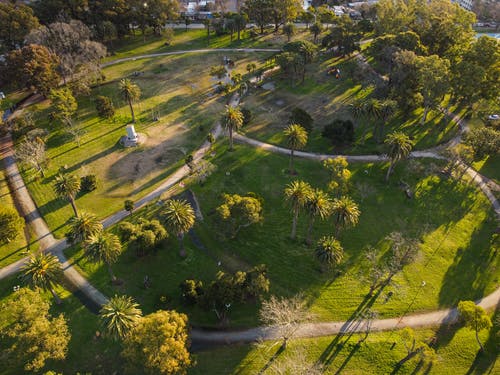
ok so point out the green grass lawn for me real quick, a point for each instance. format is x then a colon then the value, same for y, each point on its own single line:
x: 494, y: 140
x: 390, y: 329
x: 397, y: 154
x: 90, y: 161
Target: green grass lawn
x: 175, y: 89
x: 453, y: 221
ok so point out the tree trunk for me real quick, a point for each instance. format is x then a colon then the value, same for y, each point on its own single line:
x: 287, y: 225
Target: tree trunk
x: 389, y: 171
x: 290, y: 165
x: 309, y: 230
x: 408, y: 357
x: 208, y: 34
x: 113, y: 277
x: 262, y: 29
x: 40, y: 169
x: 239, y: 32
x: 337, y: 226
x: 56, y: 297
x: 131, y: 110
x: 479, y: 341
x: 294, y: 224
x: 73, y: 205
x: 230, y: 138
x: 424, y: 117
x: 182, y: 250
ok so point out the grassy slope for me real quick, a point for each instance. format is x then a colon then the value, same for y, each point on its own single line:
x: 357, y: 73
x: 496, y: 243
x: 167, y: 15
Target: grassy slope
x: 454, y: 222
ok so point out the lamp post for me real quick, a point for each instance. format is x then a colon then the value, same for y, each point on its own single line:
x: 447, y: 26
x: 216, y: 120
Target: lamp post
x: 145, y: 6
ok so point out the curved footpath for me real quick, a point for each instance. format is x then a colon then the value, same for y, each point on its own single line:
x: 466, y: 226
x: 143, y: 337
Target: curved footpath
x: 50, y: 244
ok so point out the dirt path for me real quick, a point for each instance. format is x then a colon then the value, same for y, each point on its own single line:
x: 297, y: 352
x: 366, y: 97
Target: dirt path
x: 48, y: 243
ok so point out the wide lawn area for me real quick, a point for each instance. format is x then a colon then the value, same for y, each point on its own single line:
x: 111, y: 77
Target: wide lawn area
x: 452, y: 220
x: 178, y: 90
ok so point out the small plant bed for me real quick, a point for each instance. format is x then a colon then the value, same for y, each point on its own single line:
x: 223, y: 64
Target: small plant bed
x: 327, y: 98
x: 177, y: 109
x: 451, y: 221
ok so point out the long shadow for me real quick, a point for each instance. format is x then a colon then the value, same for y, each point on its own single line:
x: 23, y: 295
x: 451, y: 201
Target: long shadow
x: 348, y: 358
x: 271, y: 360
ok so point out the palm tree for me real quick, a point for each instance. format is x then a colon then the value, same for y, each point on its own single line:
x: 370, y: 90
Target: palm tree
x: 83, y: 227
x: 400, y: 146
x: 130, y: 92
x: 296, y: 138
x: 43, y: 271
x: 346, y: 212
x: 67, y: 186
x: 103, y: 247
x: 232, y: 120
x: 119, y: 316
x: 329, y: 251
x: 297, y: 193
x: 387, y: 109
x: 318, y: 205
x: 179, y: 218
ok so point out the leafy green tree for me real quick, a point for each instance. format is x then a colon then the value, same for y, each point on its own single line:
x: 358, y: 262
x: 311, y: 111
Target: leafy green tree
x: 340, y: 176
x: 64, y: 104
x: 259, y: 11
x: 34, y: 336
x: 297, y: 194
x: 67, y: 187
x: 83, y: 227
x: 296, y: 138
x: 104, y: 107
x: 306, y: 49
x: 16, y: 21
x: 237, y: 212
x: 158, y: 344
x: 119, y: 316
x: 33, y: 67
x: 400, y: 146
x: 346, y: 213
x: 343, y: 36
x: 191, y: 291
x: 283, y: 11
x: 11, y: 224
x: 329, y: 251
x: 130, y: 92
x: 43, y: 271
x: 232, y: 120
x: 292, y: 64
x: 316, y: 29
x: 307, y: 17
x: 289, y: 30
x: 128, y: 205
x: 474, y: 317
x: 484, y: 141
x: 240, y: 22
x: 302, y: 118
x: 319, y: 205
x: 179, y: 218
x: 404, y: 80
x: 433, y: 76
x: 103, y: 248
x: 415, y: 348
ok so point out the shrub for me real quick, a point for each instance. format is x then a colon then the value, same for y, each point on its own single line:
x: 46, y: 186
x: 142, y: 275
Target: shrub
x: 339, y: 132
x: 128, y: 205
x: 301, y: 117
x: 191, y: 291
x: 104, y: 107
x: 155, y: 227
x: 88, y: 183
x: 127, y: 231
x: 247, y: 116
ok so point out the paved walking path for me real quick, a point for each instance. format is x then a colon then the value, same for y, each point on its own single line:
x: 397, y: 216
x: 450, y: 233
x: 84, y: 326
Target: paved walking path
x: 48, y: 242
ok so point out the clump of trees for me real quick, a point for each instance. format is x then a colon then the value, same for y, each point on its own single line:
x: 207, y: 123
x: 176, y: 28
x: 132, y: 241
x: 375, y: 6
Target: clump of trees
x: 484, y: 142
x: 144, y: 236
x: 11, y: 224
x: 237, y: 212
x: 295, y: 57
x: 301, y: 117
x: 339, y: 132
x: 104, y: 106
x: 475, y: 318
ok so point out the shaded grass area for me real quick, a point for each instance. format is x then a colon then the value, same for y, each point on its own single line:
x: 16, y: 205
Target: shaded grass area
x: 173, y: 89
x: 327, y: 98
x: 457, y: 352
x: 453, y: 221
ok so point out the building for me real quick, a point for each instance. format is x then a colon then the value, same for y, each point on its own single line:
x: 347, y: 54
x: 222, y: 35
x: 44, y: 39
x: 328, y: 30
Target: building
x: 466, y: 4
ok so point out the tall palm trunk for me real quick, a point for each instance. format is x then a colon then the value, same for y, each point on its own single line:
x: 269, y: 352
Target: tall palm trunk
x: 389, y: 171
x: 230, y: 138
x: 479, y: 341
x: 294, y: 223
x: 73, y: 205
x: 131, y: 110
x: 110, y: 271
x: 424, y: 117
x: 56, y: 297
x: 309, y: 230
x: 182, y: 250
x: 292, y: 151
x: 337, y: 226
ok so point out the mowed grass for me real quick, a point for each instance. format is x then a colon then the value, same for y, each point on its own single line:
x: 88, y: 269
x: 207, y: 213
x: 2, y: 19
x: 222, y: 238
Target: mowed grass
x: 177, y: 89
x: 456, y: 349
x: 452, y: 220
x: 326, y: 98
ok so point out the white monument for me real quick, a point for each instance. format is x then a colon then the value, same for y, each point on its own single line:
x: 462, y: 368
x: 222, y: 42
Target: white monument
x: 132, y: 138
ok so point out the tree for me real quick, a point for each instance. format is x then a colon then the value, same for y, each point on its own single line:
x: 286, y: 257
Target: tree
x: 179, y: 218
x: 16, y: 21
x: 259, y: 11
x: 296, y: 138
x: 403, y: 251
x: 302, y: 118
x: 43, y: 271
x: 158, y: 344
x: 289, y: 30
x: 33, y: 67
x: 433, y: 78
x: 32, y: 152
x: 306, y: 49
x: 64, y: 104
x: 346, y: 213
x: 307, y: 17
x: 104, y: 107
x: 316, y: 29
x: 474, y: 317
x: 130, y: 92
x: 329, y: 251
x: 400, y: 147
x: 83, y: 227
x: 343, y: 36
x: 128, y: 205
x: 283, y: 11
x: 340, y: 176
x: 297, y: 194
x: 11, y: 224
x: 232, y: 120
x: 119, y: 316
x: 292, y: 64
x: 35, y: 336
x: 415, y: 347
x: 156, y: 13
x: 237, y: 212
x: 103, y: 248
x: 67, y: 186
x: 319, y: 205
x: 240, y: 22
x: 339, y: 132
x: 484, y: 141
x: 285, y: 314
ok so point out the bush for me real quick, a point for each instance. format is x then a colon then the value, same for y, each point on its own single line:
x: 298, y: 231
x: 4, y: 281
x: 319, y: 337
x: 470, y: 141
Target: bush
x: 484, y: 142
x: 155, y: 227
x: 127, y: 231
x: 302, y: 118
x: 11, y: 224
x: 191, y: 291
x: 339, y: 132
x: 128, y: 205
x: 104, y: 107
x: 247, y: 116
x: 88, y: 183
